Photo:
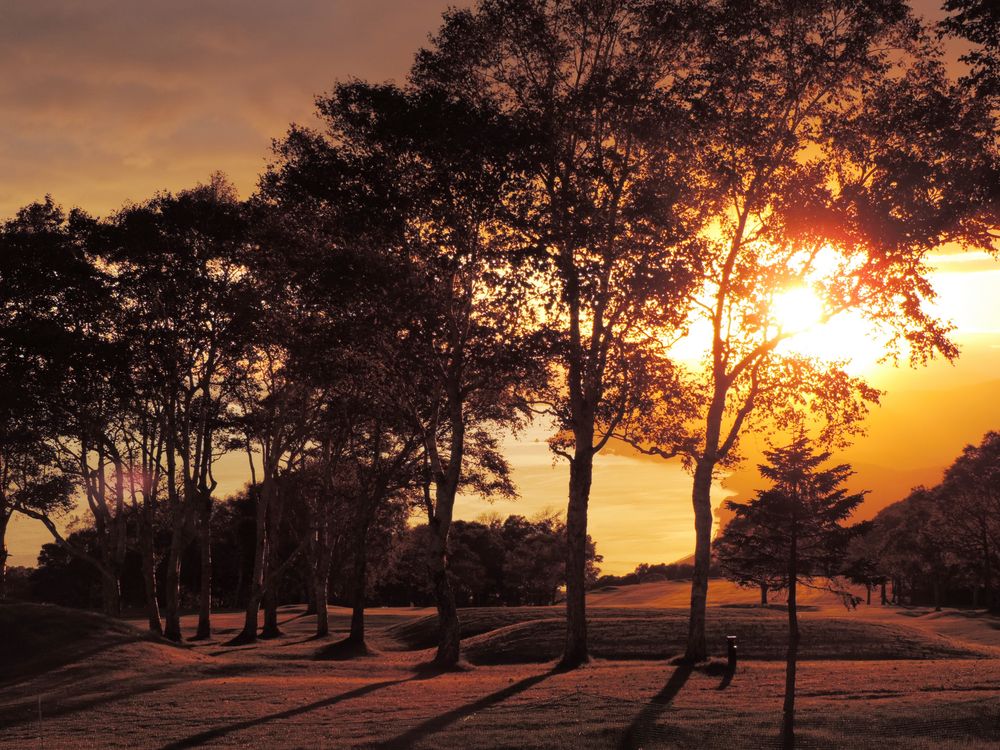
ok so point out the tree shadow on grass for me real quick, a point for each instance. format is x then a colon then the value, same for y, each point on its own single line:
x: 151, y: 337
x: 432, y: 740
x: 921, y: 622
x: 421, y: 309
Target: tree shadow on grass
x: 214, y: 734
x: 26, y: 712
x: 438, y: 723
x: 642, y: 725
x: 342, y: 650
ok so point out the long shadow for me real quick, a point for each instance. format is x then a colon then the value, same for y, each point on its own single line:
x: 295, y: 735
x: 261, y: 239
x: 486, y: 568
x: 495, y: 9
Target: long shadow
x: 727, y: 678
x: 638, y: 731
x: 27, y: 712
x: 213, y: 734
x: 436, y: 724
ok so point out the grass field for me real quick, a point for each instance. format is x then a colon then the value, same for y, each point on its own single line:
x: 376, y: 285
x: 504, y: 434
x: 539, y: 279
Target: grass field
x: 874, y: 677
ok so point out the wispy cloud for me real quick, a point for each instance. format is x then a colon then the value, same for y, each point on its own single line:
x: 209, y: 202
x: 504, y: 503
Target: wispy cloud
x: 111, y: 100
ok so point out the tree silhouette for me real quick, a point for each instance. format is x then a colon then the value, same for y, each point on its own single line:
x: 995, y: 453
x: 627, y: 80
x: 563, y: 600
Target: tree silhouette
x: 791, y: 534
x: 177, y: 261
x: 59, y: 430
x: 835, y: 154
x: 601, y: 211
x: 978, y: 21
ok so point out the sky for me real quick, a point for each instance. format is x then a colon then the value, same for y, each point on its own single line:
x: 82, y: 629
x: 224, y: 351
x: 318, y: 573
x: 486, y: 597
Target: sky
x: 109, y: 101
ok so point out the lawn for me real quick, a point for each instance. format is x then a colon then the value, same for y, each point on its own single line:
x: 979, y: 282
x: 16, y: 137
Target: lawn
x: 876, y: 677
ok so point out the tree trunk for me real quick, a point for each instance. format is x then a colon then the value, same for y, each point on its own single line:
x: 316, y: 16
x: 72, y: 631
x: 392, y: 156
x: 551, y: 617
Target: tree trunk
x: 111, y: 594
x: 309, y: 591
x: 580, y: 478
x: 205, y: 547
x: 885, y: 598
x: 763, y: 595
x: 256, y: 589
x: 697, y: 647
x: 988, y: 595
x: 172, y: 594
x: 148, y: 552
x: 791, y: 660
x: 449, y: 632
x: 321, y: 581
x: 4, y: 555
x: 868, y: 591
x: 271, y: 629
x: 321, y: 576
x: 359, y: 582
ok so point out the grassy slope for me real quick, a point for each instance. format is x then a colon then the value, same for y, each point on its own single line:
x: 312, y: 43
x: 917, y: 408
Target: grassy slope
x: 761, y: 635
x: 274, y: 694
x: 35, y: 638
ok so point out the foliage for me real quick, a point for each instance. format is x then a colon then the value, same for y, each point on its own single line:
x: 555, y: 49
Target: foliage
x: 801, y: 516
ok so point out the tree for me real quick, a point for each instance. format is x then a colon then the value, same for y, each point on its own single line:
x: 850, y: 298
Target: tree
x: 792, y: 533
x: 417, y: 180
x: 969, y: 504
x: 65, y: 371
x: 978, y: 21
x: 599, y: 209
x: 741, y: 562
x: 178, y: 263
x: 834, y: 155
x: 863, y: 564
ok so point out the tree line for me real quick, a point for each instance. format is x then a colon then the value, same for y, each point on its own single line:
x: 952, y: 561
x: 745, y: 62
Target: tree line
x: 526, y: 227
x: 509, y: 562
x: 939, y: 545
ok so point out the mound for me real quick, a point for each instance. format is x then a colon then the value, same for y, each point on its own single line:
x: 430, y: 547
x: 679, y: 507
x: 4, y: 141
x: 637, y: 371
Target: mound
x: 422, y: 632
x: 761, y: 634
x: 668, y: 594
x: 35, y: 638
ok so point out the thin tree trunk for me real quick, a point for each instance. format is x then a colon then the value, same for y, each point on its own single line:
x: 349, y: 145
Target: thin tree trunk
x: 4, y: 555
x: 449, y: 631
x: 321, y: 573
x: 111, y: 595
x: 697, y: 647
x: 989, y: 596
x: 172, y: 591
x: 885, y: 598
x: 868, y: 590
x: 272, y: 574
x: 309, y: 588
x: 148, y: 552
x: 359, y: 583
x: 791, y: 660
x: 321, y: 581
x: 580, y: 478
x: 205, y: 547
x: 763, y: 595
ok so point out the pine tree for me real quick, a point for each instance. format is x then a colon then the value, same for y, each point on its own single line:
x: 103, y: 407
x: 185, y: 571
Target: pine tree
x: 792, y: 533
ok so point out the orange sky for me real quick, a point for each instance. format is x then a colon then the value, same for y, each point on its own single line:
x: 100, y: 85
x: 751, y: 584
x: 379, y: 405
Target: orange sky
x: 105, y: 101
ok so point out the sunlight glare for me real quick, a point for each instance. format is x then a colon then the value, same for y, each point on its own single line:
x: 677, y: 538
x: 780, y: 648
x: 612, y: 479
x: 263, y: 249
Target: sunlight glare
x: 797, y: 310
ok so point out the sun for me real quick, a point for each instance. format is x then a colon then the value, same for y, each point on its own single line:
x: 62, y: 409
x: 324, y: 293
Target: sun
x: 846, y: 338
x: 797, y: 309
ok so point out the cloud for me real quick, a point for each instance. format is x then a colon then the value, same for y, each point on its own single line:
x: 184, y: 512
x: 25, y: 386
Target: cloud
x: 111, y: 100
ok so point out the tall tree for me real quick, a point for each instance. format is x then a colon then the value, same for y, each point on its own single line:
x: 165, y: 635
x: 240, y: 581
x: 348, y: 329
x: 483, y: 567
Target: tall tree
x: 178, y: 260
x: 418, y: 179
x: 835, y: 154
x: 64, y: 367
x: 600, y: 209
